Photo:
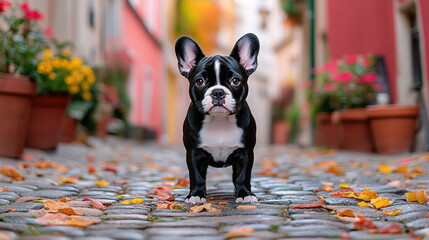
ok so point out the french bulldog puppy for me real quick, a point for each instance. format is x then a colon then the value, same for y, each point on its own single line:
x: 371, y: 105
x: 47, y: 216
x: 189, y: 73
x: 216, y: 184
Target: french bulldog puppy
x: 219, y: 129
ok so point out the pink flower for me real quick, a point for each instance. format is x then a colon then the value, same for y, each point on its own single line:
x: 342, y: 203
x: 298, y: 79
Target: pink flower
x: 48, y: 32
x: 25, y: 7
x: 33, y: 14
x: 4, y: 5
x: 351, y: 59
x: 343, y: 77
x: 328, y: 87
x: 369, y: 78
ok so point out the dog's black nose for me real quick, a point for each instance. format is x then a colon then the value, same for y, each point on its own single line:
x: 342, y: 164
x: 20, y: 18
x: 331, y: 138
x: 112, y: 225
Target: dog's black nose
x: 218, y: 94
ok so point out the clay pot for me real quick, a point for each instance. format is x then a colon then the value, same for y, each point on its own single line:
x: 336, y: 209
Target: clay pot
x: 354, y: 130
x: 16, y: 93
x: 280, y: 132
x: 68, y: 133
x: 326, y: 133
x: 393, y: 127
x: 46, y: 121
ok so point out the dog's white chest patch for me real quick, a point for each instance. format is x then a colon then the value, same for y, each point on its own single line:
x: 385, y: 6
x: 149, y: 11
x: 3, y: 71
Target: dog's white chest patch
x: 220, y: 136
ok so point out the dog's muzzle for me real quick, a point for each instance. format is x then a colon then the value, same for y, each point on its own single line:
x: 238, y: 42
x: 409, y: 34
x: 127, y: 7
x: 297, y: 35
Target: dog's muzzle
x: 218, y: 97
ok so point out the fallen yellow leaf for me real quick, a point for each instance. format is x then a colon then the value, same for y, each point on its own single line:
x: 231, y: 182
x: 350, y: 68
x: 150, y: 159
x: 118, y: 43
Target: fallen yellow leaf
x: 137, y: 200
x: 411, y: 196
x: 364, y: 204
x: 421, y: 196
x: 366, y: 195
x: 380, y: 202
x: 344, y: 185
x: 205, y: 207
x: 101, y: 183
x: 126, y: 202
x: 384, y: 169
x: 392, y: 212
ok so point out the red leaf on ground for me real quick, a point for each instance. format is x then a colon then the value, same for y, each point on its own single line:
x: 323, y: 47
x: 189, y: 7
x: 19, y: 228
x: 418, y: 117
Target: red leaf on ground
x: 317, y: 204
x: 162, y: 191
x: 393, y: 228
x: 24, y: 199
x: 110, y: 169
x: 94, y: 203
x: 344, y: 192
x: 91, y: 169
x: 365, y: 224
x: 90, y: 158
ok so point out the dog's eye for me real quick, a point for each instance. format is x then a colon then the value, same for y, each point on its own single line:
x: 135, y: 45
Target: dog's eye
x: 235, y: 82
x: 199, y: 82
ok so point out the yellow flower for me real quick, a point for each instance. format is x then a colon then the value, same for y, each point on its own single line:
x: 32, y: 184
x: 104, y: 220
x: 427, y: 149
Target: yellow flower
x: 91, y: 79
x: 85, y: 86
x: 76, y: 62
x: 48, y: 53
x: 66, y: 53
x: 56, y: 62
x: 86, y: 96
x: 48, y: 68
x: 41, y: 68
x: 52, y: 75
x: 69, y: 80
x: 73, y: 89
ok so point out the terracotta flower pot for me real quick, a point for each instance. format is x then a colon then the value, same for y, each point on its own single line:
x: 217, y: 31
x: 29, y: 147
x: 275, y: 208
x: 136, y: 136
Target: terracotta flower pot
x: 46, y: 121
x: 16, y: 93
x: 354, y: 130
x: 68, y: 133
x: 326, y: 132
x: 393, y: 127
x: 280, y: 132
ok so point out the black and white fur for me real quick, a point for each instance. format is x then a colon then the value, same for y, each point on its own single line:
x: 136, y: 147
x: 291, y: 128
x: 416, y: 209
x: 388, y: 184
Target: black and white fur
x: 219, y: 129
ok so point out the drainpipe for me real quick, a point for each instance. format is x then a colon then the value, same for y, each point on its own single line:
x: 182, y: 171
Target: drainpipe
x: 310, y: 16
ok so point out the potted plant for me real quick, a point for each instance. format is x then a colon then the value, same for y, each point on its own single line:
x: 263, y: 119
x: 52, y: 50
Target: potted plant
x: 59, y: 77
x: 324, y: 100
x: 393, y: 127
x: 351, y: 83
x: 21, y: 40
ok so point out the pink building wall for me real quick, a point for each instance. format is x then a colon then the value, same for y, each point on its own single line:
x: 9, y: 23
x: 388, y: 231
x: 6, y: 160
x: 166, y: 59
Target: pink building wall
x: 142, y: 43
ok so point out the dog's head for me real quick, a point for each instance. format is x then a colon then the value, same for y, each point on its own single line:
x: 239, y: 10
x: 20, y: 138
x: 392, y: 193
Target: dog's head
x: 218, y: 84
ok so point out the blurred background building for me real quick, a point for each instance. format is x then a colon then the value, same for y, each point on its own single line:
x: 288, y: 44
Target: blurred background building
x: 295, y: 36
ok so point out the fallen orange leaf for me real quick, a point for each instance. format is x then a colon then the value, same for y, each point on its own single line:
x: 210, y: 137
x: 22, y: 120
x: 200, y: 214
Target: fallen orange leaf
x: 317, y: 204
x: 70, y: 211
x: 346, y: 213
x: 326, y: 164
x: 10, y: 171
x: 101, y: 183
x: 205, y: 207
x: 401, y: 169
x: 411, y: 196
x: 421, y: 196
x: 223, y: 203
x: 54, y: 206
x: 327, y: 188
x: 246, y: 207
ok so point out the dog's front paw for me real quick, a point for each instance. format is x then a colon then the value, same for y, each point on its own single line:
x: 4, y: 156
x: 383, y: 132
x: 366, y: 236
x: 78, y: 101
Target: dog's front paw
x: 195, y: 200
x: 247, y: 199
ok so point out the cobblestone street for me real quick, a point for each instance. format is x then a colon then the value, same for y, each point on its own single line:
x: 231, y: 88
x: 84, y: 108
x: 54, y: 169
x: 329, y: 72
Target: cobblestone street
x: 90, y: 187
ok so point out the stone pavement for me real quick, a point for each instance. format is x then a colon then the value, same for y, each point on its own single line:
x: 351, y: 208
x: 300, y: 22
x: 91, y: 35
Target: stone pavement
x: 79, y: 179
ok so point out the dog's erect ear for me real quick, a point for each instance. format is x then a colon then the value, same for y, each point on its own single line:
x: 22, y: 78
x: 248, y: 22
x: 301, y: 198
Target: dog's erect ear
x: 246, y: 52
x: 188, y: 54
